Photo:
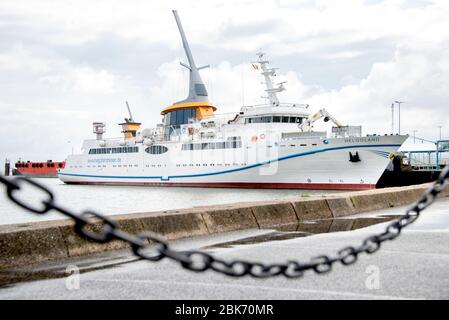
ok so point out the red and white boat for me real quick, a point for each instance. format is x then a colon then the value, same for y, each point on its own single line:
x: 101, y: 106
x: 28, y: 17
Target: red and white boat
x: 48, y: 169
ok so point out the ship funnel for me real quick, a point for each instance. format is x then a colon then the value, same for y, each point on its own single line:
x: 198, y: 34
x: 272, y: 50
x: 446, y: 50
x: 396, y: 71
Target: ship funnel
x: 99, y: 129
x: 130, y: 127
x: 197, y: 89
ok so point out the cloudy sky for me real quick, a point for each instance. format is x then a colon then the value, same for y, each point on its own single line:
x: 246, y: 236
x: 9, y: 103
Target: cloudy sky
x: 65, y: 64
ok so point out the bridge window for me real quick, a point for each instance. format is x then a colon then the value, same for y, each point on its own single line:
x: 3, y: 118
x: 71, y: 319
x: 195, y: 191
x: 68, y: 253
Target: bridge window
x: 178, y: 117
x: 276, y: 119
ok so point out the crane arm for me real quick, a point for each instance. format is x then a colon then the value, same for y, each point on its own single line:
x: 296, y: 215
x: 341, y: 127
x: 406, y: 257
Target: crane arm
x: 323, y: 113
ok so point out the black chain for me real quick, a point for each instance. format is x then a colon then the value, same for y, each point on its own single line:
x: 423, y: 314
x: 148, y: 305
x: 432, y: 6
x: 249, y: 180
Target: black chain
x: 200, y: 261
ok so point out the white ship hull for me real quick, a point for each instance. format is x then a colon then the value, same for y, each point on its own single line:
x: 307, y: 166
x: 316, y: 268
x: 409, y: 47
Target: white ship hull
x: 314, y: 163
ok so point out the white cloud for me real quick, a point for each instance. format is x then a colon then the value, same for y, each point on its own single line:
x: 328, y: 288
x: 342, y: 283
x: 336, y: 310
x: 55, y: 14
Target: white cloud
x: 20, y: 59
x: 418, y: 75
x: 47, y: 98
x: 87, y: 80
x: 293, y: 26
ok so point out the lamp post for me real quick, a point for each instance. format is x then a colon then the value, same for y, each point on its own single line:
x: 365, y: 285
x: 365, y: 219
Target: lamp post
x: 414, y: 136
x: 392, y: 118
x: 399, y: 107
x: 70, y: 142
x: 440, y: 130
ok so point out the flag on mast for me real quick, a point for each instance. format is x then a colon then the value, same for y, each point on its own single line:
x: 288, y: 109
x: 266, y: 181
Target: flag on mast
x: 255, y: 66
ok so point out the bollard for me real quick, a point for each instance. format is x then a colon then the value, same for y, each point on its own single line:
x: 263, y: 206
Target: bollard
x: 7, y: 167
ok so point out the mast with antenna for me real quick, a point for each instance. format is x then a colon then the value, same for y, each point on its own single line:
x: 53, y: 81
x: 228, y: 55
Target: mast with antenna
x: 197, y: 89
x: 129, y: 111
x: 268, y: 73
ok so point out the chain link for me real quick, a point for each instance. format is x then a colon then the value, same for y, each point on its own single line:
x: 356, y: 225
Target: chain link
x: 199, y: 261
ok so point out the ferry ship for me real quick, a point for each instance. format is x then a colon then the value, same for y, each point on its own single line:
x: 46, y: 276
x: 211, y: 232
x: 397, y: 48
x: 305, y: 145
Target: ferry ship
x: 273, y: 145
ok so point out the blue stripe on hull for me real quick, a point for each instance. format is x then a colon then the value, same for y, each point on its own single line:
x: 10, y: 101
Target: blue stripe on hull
x: 300, y: 154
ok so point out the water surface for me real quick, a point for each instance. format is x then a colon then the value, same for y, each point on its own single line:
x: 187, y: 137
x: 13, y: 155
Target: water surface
x: 111, y: 200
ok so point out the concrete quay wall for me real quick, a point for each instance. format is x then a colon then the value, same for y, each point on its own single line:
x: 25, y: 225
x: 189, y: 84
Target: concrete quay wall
x: 25, y: 244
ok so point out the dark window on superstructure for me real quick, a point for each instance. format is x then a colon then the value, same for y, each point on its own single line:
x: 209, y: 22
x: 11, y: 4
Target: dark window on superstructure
x: 271, y: 119
x: 230, y: 144
x: 114, y: 150
x: 267, y: 119
x: 177, y: 117
x: 156, y: 149
x: 220, y: 145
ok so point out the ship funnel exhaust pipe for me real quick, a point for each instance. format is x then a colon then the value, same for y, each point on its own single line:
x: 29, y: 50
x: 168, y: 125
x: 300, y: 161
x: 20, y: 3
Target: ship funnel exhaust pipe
x: 99, y: 129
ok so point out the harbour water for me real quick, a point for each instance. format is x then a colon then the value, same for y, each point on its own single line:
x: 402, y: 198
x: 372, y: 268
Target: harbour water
x: 110, y: 200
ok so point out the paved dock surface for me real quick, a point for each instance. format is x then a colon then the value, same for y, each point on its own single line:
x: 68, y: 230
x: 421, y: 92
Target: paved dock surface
x: 414, y: 266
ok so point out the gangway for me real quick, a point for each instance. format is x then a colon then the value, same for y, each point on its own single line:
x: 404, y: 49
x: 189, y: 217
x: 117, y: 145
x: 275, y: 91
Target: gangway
x: 429, y: 159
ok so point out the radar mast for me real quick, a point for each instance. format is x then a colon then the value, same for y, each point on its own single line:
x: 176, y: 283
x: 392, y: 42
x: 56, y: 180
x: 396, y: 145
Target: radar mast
x: 268, y: 73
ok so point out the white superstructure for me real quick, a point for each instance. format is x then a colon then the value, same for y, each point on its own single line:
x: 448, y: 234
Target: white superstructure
x: 264, y: 146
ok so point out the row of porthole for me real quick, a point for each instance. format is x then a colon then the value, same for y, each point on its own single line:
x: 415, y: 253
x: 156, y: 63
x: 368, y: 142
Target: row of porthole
x: 330, y: 180
x: 210, y: 165
x: 37, y: 165
x: 125, y: 165
x: 178, y: 165
x: 104, y: 166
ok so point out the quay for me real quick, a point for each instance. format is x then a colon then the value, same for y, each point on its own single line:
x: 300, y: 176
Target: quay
x: 414, y: 266
x: 36, y: 242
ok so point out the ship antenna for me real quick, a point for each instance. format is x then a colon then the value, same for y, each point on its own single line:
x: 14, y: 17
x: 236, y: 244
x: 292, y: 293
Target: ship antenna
x: 197, y: 89
x: 268, y: 73
x: 129, y: 111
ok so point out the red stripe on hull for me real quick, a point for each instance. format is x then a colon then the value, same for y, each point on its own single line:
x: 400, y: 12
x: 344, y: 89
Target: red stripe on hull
x: 254, y: 185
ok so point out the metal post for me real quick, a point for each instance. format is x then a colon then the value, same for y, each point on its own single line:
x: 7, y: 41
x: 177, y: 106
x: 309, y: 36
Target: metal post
x: 399, y: 121
x: 392, y: 118
x: 437, y: 152
x: 71, y: 144
x: 7, y: 167
x: 437, y: 155
x: 414, y: 136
